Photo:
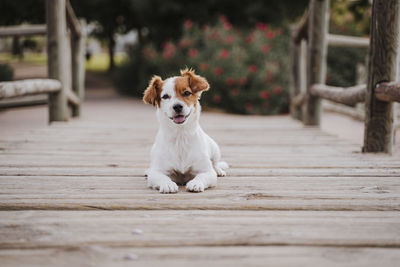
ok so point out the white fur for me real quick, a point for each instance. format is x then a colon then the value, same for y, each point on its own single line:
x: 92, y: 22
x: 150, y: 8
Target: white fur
x: 182, y: 148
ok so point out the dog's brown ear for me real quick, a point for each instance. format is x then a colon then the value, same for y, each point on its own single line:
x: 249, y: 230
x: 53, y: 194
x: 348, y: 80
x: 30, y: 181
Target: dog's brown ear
x: 152, y: 93
x: 196, y: 82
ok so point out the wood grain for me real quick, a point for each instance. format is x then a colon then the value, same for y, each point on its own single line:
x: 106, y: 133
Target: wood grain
x: 378, y: 134
x: 74, y: 193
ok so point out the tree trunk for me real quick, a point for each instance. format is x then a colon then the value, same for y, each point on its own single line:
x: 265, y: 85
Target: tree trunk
x: 140, y: 36
x: 17, y: 48
x: 111, y: 52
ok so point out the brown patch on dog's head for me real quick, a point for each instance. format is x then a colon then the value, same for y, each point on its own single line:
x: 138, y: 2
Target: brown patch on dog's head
x: 152, y: 93
x: 196, y: 82
x: 192, y: 83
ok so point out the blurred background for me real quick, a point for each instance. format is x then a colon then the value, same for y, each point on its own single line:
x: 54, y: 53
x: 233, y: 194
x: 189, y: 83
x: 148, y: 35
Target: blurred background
x: 241, y: 47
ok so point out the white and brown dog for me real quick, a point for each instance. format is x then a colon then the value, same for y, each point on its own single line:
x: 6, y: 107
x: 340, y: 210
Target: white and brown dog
x: 182, y: 152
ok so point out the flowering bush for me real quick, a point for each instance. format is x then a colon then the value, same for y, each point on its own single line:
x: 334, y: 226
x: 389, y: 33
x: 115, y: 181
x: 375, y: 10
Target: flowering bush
x: 247, y: 69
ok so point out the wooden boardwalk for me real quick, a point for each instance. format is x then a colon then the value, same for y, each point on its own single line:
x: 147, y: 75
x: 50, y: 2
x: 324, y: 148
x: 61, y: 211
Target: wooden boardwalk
x: 73, y: 194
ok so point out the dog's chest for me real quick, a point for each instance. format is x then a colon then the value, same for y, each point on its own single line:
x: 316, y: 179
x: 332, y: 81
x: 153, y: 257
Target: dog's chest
x: 183, y: 152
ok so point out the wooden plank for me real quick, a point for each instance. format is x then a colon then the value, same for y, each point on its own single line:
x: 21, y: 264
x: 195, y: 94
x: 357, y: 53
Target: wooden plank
x: 95, y: 255
x: 52, y: 229
x: 347, y: 41
x: 378, y: 134
x: 23, y: 30
x: 233, y: 193
x: 28, y: 87
x: 316, y: 62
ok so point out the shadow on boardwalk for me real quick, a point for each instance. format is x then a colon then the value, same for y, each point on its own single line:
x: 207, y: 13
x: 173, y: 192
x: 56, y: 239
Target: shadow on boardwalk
x: 74, y: 193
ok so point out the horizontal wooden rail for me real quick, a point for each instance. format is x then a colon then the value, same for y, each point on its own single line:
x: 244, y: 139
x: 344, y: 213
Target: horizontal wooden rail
x: 73, y: 22
x: 348, y: 96
x: 28, y: 87
x: 347, y: 41
x: 352, y: 112
x: 23, y: 30
x: 388, y: 91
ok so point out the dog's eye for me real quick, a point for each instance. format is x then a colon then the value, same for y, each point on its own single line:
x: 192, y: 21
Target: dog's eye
x: 187, y: 93
x: 165, y: 97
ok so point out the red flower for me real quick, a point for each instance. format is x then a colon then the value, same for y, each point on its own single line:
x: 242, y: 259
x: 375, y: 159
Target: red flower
x: 277, y: 90
x: 227, y: 26
x: 169, y: 50
x: 188, y: 24
x: 224, y: 54
x: 260, y: 26
x: 253, y: 68
x: 203, y: 66
x: 230, y: 81
x: 249, y: 39
x: 223, y: 18
x: 217, y: 98
x: 218, y: 70
x: 264, y: 94
x: 248, y: 106
x: 205, y: 28
x: 230, y: 39
x: 268, y: 77
x: 242, y: 80
x: 270, y: 34
x: 235, y: 91
x: 265, y: 48
x: 192, y: 52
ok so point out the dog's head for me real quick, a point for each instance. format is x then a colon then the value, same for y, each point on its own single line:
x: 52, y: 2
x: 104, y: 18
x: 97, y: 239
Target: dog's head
x: 176, y: 97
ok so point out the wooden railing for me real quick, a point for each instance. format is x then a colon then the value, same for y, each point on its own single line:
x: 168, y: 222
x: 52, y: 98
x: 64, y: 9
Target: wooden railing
x: 65, y: 53
x: 309, y: 44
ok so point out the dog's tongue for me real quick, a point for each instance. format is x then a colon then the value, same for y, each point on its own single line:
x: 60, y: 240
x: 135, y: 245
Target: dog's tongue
x: 179, y: 119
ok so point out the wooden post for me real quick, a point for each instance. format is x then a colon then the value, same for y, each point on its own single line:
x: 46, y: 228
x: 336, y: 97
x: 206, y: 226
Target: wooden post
x: 302, y: 70
x: 78, y: 66
x: 378, y: 133
x: 295, y: 82
x: 56, y: 63
x: 316, y: 63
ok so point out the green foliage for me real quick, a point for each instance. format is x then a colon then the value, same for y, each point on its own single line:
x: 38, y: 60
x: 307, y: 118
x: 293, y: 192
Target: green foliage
x: 247, y: 69
x: 6, y: 73
x: 347, y: 18
x: 14, y: 12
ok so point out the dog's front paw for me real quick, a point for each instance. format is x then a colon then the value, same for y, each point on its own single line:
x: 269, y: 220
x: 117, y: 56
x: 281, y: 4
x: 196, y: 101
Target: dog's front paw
x: 168, y: 187
x: 195, y: 185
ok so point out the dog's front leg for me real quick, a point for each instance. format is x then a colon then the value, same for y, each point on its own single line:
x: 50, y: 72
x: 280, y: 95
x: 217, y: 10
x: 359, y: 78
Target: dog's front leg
x: 158, y: 180
x: 202, y: 181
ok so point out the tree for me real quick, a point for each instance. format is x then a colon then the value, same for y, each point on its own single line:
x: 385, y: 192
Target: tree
x: 11, y: 13
x: 112, y: 18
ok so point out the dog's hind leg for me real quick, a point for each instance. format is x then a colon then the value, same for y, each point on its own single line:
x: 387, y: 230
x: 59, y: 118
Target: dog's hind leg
x: 219, y: 166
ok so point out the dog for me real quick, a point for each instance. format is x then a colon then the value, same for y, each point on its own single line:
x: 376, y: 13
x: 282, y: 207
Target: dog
x: 182, y: 154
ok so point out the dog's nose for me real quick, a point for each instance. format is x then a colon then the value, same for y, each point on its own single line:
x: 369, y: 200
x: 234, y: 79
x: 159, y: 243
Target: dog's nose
x: 177, y: 108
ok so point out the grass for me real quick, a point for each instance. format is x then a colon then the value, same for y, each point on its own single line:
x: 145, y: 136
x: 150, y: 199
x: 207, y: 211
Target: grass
x: 97, y: 63
x: 100, y: 62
